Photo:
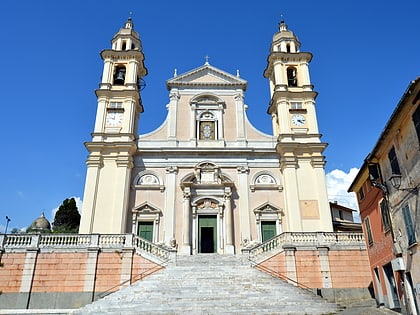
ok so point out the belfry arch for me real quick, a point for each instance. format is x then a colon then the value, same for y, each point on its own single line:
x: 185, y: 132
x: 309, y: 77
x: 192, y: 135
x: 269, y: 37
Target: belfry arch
x: 207, y: 211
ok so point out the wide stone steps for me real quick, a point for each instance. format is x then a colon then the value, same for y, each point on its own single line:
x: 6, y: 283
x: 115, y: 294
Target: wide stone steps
x: 210, y: 284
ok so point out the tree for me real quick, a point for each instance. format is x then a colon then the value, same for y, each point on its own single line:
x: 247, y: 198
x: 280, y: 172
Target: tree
x: 67, y: 218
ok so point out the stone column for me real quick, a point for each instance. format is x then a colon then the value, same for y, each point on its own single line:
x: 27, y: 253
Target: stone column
x: 169, y: 213
x: 194, y: 230
x: 229, y: 248
x: 186, y: 224
x: 244, y: 217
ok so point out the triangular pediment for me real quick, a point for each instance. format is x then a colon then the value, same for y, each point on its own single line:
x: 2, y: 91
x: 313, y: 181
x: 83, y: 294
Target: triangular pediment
x: 206, y: 75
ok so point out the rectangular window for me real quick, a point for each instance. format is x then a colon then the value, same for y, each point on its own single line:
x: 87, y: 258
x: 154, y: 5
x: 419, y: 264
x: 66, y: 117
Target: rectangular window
x: 409, y: 227
x: 361, y: 194
x: 416, y: 121
x: 145, y: 230
x: 385, y: 215
x: 296, y: 105
x: 368, y: 232
x: 115, y: 105
x: 395, y: 167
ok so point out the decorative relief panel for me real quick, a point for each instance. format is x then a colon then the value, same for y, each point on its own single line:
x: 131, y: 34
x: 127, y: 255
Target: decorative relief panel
x: 148, y: 180
x: 265, y: 181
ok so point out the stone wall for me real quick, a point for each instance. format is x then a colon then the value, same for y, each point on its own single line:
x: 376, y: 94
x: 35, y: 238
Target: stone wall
x: 73, y: 271
x: 335, y: 265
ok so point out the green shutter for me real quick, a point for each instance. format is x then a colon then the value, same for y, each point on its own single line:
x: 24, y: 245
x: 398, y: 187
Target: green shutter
x: 145, y: 230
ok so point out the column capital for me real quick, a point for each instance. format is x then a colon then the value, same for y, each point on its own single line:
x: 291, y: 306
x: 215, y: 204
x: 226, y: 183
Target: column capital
x: 187, y: 192
x: 171, y: 170
x: 243, y: 169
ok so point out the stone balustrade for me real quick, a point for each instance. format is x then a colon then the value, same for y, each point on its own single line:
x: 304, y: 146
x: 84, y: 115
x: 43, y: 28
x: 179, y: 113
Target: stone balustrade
x: 307, y: 239
x: 45, y: 242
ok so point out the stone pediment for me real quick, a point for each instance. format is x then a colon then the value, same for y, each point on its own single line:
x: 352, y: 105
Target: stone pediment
x: 207, y: 75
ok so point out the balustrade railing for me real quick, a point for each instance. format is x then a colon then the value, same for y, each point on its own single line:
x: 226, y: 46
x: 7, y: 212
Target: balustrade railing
x: 301, y: 239
x: 19, y: 242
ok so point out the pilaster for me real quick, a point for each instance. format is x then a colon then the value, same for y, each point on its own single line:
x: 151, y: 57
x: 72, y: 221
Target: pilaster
x: 170, y: 196
x: 244, y: 217
x: 186, y: 223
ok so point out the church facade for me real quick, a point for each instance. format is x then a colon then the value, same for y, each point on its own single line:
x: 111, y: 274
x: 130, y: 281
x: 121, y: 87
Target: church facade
x: 206, y: 180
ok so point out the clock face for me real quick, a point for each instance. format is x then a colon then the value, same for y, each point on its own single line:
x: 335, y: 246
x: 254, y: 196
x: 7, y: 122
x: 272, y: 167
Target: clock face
x: 298, y: 120
x: 114, y: 119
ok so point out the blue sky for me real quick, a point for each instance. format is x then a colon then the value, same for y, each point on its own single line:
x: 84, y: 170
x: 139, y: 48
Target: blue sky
x: 365, y: 55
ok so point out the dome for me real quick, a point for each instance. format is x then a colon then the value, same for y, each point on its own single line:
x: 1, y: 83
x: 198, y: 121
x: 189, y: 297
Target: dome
x: 40, y: 224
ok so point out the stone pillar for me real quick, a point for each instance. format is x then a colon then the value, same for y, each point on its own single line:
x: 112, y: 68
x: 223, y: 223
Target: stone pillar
x: 28, y: 273
x: 229, y: 248
x: 324, y: 265
x: 170, y: 197
x: 172, y: 115
x: 194, y: 230
x: 186, y: 224
x: 91, y: 264
x: 244, y: 217
x: 289, y: 164
x: 291, y: 264
x: 127, y: 261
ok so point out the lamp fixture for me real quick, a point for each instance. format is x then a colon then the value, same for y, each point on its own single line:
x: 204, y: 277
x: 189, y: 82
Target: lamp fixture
x: 396, y: 179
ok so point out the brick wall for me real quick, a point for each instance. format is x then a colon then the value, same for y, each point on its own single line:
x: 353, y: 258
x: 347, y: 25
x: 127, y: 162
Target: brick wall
x: 322, y: 268
x: 69, y: 279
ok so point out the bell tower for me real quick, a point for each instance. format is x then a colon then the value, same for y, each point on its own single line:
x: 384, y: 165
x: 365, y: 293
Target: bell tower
x: 113, y: 141
x: 292, y: 108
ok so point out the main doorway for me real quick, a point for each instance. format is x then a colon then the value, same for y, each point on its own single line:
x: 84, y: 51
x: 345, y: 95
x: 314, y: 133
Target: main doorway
x: 207, y: 231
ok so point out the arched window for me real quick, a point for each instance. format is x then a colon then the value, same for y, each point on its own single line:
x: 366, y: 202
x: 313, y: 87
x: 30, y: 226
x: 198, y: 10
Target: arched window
x: 291, y: 76
x: 119, y: 75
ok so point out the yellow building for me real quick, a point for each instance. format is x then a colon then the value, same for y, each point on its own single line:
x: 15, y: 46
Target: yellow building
x: 206, y: 180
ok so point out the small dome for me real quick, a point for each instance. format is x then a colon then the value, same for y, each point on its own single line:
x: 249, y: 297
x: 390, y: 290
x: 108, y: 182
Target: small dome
x: 40, y: 224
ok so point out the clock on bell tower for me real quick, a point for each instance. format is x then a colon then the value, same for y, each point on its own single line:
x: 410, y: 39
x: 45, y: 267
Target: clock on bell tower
x: 292, y: 108
x: 113, y: 141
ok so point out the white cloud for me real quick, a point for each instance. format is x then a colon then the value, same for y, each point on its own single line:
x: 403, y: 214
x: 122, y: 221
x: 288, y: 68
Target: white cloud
x: 338, y: 182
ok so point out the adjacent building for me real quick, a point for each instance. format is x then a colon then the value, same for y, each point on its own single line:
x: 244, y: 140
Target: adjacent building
x: 387, y: 188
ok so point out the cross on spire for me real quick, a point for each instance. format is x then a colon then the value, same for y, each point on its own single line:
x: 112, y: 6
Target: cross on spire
x: 207, y: 60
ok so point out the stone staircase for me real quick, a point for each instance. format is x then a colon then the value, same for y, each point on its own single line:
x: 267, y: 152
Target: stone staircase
x: 210, y: 284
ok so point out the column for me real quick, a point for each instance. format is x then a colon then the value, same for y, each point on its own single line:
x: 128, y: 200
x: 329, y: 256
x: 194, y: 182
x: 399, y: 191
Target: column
x: 172, y: 115
x: 194, y: 230
x: 169, y: 213
x: 289, y: 164
x: 240, y: 116
x: 186, y: 224
x: 244, y: 217
x: 229, y: 248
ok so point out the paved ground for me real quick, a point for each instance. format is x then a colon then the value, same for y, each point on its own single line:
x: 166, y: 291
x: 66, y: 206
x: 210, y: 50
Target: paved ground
x: 366, y: 308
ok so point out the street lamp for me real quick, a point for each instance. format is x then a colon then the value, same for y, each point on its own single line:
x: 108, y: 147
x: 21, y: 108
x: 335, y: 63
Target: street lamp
x: 7, y: 224
x: 396, y: 179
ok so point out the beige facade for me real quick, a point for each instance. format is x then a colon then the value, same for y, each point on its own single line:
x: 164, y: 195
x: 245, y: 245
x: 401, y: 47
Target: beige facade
x: 206, y: 180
